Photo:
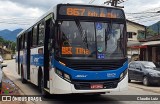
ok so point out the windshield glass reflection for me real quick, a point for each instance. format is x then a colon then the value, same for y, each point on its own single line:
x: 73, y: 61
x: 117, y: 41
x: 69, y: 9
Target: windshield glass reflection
x: 91, y: 39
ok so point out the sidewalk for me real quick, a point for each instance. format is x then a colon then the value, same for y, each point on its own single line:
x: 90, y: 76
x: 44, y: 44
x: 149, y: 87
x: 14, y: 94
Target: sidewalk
x: 152, y: 88
x: 10, y: 79
x: 9, y: 88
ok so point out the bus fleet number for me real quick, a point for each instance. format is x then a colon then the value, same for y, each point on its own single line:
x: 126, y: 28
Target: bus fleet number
x: 75, y: 11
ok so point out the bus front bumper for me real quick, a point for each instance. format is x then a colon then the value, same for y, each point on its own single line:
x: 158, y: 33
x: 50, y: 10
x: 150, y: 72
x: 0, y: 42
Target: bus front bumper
x: 60, y: 86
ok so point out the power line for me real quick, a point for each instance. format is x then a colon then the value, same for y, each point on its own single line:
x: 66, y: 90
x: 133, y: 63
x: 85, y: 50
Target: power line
x: 18, y: 17
x: 144, y: 17
x: 144, y: 12
x: 115, y: 2
x: 5, y: 19
x: 91, y: 1
x: 148, y: 19
x: 14, y: 23
x: 16, y: 20
x: 148, y: 15
x: 152, y: 10
x: 148, y: 11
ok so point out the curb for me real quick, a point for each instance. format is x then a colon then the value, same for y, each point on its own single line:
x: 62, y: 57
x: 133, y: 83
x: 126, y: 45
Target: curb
x: 19, y: 90
x: 145, y: 89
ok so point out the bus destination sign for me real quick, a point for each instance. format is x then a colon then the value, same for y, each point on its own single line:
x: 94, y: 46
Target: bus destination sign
x: 91, y: 11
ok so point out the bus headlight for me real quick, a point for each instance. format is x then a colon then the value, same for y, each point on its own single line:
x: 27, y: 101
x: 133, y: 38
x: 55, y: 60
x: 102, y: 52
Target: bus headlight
x: 63, y: 75
x: 62, y: 63
x: 58, y: 72
x: 67, y: 77
x: 123, y: 74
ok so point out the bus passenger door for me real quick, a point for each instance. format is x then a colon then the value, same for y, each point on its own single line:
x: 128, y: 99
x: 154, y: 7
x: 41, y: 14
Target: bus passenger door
x: 28, y: 54
x: 18, y: 56
x: 48, y: 30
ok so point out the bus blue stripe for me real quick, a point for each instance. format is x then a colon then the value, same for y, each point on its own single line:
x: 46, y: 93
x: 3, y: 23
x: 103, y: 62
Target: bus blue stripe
x: 37, y: 59
x: 91, y: 75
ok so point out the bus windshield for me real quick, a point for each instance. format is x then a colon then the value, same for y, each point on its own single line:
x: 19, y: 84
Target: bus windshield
x: 96, y: 40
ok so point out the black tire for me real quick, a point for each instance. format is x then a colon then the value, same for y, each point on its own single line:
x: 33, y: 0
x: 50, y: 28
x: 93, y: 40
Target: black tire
x: 39, y: 80
x: 44, y: 93
x: 0, y: 88
x: 129, y: 80
x: 98, y: 94
x: 22, y: 76
x: 145, y: 81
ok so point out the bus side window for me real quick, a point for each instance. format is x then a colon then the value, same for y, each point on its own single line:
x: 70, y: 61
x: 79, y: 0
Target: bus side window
x: 25, y: 42
x: 51, y: 34
x: 41, y: 34
x: 17, y: 46
x: 34, y: 41
x: 31, y: 39
x: 22, y: 39
x: 19, y: 43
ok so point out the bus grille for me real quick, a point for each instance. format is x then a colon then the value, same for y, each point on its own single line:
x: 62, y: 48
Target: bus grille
x: 92, y: 65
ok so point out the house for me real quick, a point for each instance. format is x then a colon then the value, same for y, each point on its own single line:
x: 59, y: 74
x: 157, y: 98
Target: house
x: 152, y: 50
x: 133, y: 46
x: 6, y: 54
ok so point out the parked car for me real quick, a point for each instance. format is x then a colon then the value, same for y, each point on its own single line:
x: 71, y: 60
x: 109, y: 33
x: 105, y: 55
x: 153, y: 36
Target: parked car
x: 1, y: 67
x: 1, y: 59
x: 147, y: 72
x: 14, y: 56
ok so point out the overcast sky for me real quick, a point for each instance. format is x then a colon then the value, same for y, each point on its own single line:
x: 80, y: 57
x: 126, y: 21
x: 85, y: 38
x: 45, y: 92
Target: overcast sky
x: 20, y: 13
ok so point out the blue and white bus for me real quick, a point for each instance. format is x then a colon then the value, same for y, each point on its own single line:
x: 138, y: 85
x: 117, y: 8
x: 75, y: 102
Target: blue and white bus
x: 75, y: 48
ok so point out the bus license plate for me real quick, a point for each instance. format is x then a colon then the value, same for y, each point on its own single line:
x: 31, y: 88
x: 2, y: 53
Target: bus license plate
x: 96, y: 86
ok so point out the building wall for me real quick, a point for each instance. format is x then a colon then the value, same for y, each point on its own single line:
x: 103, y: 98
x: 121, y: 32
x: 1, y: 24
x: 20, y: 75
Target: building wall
x: 131, y: 27
x: 7, y: 56
x: 134, y: 28
x: 151, y: 53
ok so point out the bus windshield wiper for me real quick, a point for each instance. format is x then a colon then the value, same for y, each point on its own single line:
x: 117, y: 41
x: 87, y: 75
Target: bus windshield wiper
x: 121, y: 45
x: 84, y: 39
x: 107, y: 32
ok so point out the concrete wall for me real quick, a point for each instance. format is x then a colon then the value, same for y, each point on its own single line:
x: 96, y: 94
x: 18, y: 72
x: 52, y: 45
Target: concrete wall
x: 134, y: 27
x: 7, y: 56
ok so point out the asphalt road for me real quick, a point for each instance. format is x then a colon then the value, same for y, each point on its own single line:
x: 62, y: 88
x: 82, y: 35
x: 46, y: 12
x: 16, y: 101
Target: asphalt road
x: 30, y: 89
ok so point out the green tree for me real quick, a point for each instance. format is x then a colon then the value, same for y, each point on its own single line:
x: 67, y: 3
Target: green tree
x: 150, y: 32
x: 10, y: 45
x: 1, y: 41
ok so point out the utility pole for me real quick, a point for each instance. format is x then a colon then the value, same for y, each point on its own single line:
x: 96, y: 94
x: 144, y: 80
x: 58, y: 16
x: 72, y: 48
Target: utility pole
x: 158, y: 27
x: 145, y: 36
x: 114, y: 3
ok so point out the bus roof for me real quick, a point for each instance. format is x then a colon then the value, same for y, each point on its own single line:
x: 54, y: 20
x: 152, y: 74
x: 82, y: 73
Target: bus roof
x: 53, y: 9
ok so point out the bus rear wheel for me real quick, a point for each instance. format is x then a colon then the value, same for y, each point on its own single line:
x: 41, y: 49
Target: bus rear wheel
x: 22, y: 76
x: 1, y: 88
x: 44, y: 93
